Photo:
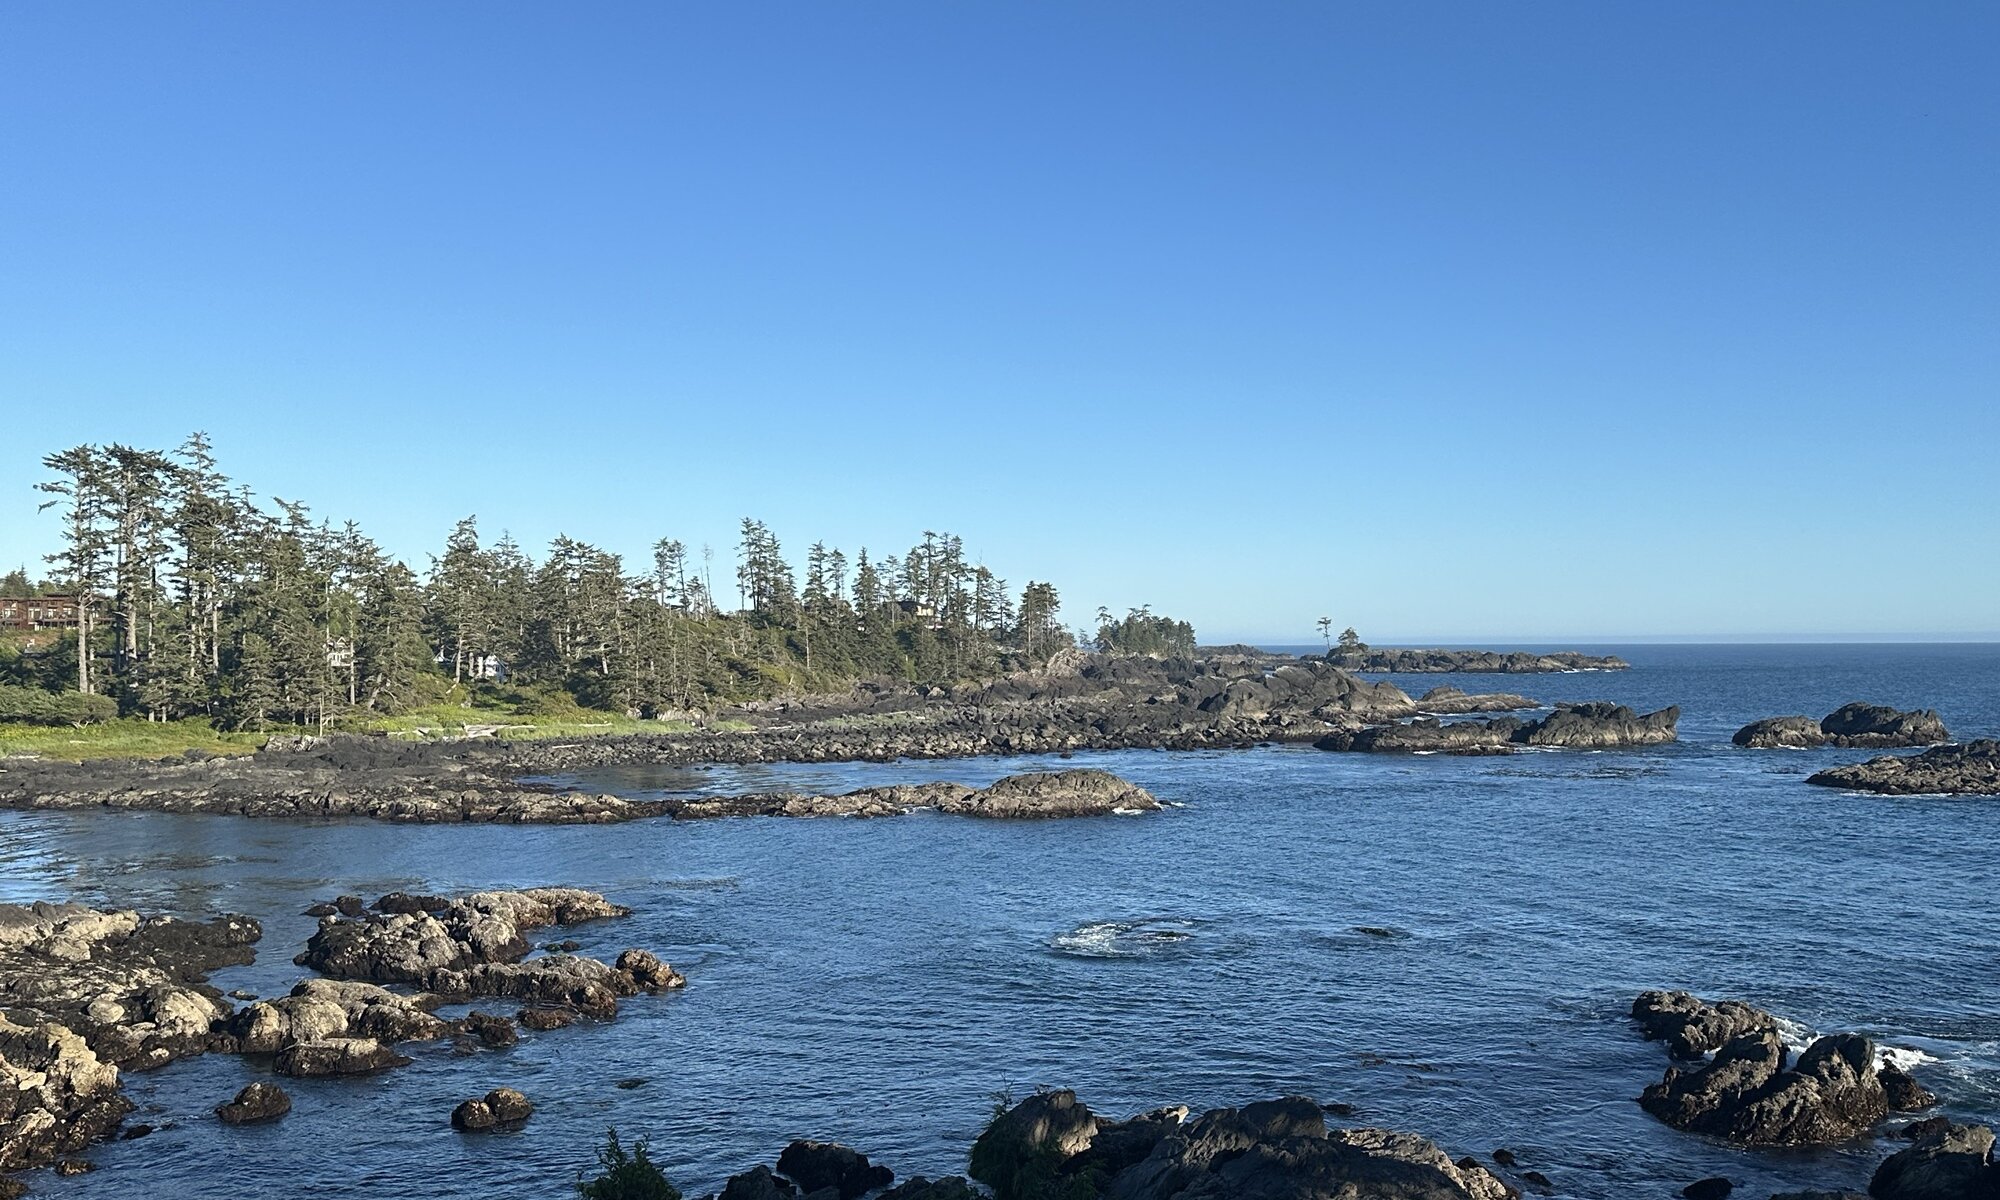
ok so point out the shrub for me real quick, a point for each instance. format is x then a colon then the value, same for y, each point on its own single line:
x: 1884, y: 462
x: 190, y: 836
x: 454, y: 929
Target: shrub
x: 34, y: 706
x: 628, y: 1175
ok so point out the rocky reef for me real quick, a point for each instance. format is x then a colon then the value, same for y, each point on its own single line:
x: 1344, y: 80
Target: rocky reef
x: 1750, y: 1092
x: 1471, y: 662
x: 87, y: 992
x: 1080, y: 793
x: 1593, y: 726
x: 1868, y: 726
x: 1969, y: 769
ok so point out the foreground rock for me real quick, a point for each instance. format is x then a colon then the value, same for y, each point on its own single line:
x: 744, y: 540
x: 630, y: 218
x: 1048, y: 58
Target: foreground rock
x: 333, y: 1057
x: 1749, y: 1093
x: 1275, y: 1150
x: 1472, y: 662
x: 1971, y: 769
x: 1082, y: 793
x: 1954, y: 1162
x: 499, y: 1109
x: 255, y: 1105
x: 1852, y: 725
x: 1593, y: 726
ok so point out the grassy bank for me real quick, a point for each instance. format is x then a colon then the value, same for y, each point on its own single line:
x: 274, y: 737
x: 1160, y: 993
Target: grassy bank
x: 154, y: 739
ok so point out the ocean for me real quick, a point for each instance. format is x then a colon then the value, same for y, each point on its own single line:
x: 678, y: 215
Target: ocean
x: 1448, y: 944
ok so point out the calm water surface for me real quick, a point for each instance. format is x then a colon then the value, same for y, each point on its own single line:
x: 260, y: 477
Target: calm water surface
x: 1447, y: 943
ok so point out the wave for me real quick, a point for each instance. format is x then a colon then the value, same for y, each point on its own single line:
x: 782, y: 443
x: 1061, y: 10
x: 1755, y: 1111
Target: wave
x: 1147, y: 937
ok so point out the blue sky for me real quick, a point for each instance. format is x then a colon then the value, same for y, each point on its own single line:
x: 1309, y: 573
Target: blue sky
x: 1515, y: 322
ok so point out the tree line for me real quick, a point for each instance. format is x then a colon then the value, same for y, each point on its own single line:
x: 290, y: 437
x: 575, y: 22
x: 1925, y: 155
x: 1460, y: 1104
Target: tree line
x: 198, y: 600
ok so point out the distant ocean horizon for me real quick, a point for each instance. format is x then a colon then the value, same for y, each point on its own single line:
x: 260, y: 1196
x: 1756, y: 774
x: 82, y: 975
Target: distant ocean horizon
x: 1610, y: 644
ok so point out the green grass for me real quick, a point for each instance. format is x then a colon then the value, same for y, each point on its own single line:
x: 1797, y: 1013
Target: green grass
x: 123, y: 739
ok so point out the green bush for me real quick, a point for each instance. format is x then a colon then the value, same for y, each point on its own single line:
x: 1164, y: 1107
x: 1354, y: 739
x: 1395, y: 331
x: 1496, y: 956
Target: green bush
x: 627, y: 1175
x: 34, y: 706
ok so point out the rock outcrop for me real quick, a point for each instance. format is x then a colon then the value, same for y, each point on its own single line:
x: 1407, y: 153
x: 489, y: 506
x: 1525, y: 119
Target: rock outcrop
x: 56, y: 1095
x: 331, y: 1057
x: 1591, y: 726
x: 1449, y: 701
x: 1748, y: 1095
x: 1472, y: 662
x: 1851, y: 725
x: 1275, y: 1150
x: 1691, y: 1027
x: 499, y: 1109
x: 1970, y: 769
x: 1081, y: 793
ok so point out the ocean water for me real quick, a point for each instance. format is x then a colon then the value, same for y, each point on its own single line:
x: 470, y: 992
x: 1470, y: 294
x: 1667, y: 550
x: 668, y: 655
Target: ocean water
x: 1449, y: 944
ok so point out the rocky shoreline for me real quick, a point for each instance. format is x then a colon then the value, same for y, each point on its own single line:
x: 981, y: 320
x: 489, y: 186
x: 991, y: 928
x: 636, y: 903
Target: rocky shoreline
x: 88, y: 994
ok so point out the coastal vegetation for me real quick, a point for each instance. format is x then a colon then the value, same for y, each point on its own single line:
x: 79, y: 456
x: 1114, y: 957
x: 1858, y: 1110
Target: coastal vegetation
x: 193, y: 600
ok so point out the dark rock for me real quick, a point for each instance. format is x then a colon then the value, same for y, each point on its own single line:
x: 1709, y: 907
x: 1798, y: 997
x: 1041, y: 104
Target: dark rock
x: 816, y: 1166
x: 1953, y: 1163
x: 1601, y: 726
x: 1282, y: 1150
x: 255, y: 1104
x: 1450, y: 701
x: 1781, y: 733
x: 1591, y: 726
x: 1504, y: 1157
x: 629, y: 1084
x: 1904, y: 1093
x: 951, y: 1187
x: 1971, y: 769
x: 69, y: 1167
x: 758, y: 1183
x: 1917, y: 1131
x: 1471, y: 662
x: 1714, y: 1187
x: 132, y: 1133
x: 1538, y: 1181
x: 1746, y: 1095
x: 1692, y: 1027
x: 1860, y: 724
x: 544, y: 1019
x: 494, y: 1032
x: 501, y: 1108
x: 647, y: 972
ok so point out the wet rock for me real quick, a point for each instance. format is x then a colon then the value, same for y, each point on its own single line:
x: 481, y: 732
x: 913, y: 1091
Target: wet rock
x: 1693, y: 1027
x: 1471, y: 662
x: 1080, y: 793
x: 544, y: 1019
x: 583, y: 985
x: 404, y: 903
x: 1953, y: 1163
x: 1601, y: 726
x: 1713, y: 1188
x: 647, y: 972
x: 816, y: 1166
x: 1504, y: 1157
x: 70, y: 1167
x: 336, y: 1056
x: 1747, y: 1095
x: 1971, y: 769
x: 255, y: 1104
x: 1917, y: 1131
x: 499, y: 1109
x: 1593, y: 726
x: 493, y: 1032
x: 1426, y: 736
x: 1904, y: 1093
x: 1051, y: 1125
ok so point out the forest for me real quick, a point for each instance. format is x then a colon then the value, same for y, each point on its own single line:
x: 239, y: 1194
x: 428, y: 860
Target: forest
x: 196, y: 600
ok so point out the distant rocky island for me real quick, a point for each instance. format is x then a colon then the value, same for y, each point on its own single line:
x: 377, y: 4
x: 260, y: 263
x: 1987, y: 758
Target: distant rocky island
x: 1870, y: 726
x: 1971, y: 769
x: 1469, y: 662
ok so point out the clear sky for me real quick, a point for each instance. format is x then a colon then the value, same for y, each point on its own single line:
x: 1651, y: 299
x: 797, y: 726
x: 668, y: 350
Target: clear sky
x: 1558, y: 320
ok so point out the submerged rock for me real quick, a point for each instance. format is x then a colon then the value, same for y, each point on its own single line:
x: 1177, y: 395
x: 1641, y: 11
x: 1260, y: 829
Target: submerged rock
x: 1971, y: 769
x: 255, y: 1104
